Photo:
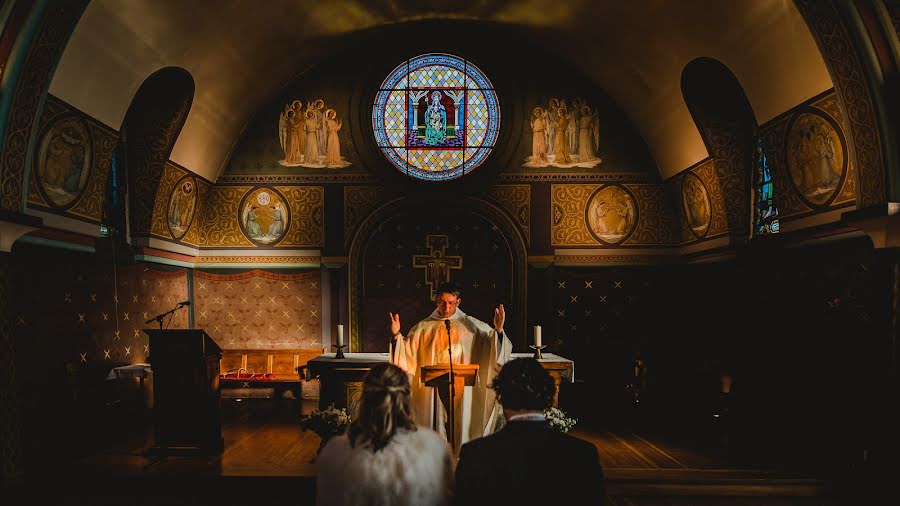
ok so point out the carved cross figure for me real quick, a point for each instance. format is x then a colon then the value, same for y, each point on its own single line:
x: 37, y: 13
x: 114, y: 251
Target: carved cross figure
x: 436, y: 264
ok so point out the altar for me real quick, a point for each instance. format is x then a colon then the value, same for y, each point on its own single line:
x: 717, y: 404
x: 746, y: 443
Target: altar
x: 340, y: 380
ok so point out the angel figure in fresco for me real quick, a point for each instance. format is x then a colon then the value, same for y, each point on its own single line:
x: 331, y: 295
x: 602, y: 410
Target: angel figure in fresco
x: 538, y: 139
x: 311, y: 127
x: 318, y: 108
x: 588, y: 134
x: 435, y: 121
x: 571, y: 129
x: 552, y: 106
x: 276, y: 228
x: 250, y: 225
x: 827, y: 173
x: 562, y: 146
x: 290, y: 133
x: 333, y: 145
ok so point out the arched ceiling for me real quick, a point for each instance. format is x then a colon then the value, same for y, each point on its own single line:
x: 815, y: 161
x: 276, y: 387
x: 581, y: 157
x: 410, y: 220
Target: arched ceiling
x: 242, y: 53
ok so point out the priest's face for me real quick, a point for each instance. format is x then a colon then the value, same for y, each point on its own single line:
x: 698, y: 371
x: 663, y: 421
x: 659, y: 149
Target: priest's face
x: 447, y: 303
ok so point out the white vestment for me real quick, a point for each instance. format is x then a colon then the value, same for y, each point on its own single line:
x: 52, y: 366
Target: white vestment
x: 474, y: 342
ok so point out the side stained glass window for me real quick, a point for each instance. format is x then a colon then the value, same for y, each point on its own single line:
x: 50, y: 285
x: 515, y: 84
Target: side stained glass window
x: 765, y: 214
x: 436, y: 117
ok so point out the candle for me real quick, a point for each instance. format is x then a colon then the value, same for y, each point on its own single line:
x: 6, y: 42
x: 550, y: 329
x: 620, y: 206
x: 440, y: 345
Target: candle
x: 537, y: 335
x: 340, y: 336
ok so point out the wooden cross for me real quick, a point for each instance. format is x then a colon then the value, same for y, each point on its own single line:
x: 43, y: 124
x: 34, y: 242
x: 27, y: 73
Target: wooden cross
x: 436, y: 263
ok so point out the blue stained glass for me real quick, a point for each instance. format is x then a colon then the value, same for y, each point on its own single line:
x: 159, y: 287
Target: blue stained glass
x: 436, y: 117
x: 765, y: 214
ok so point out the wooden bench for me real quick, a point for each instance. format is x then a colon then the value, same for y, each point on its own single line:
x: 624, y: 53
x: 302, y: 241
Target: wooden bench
x: 264, y: 373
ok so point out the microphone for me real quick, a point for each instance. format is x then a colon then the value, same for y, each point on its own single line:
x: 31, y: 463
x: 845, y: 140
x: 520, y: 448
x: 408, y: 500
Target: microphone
x: 447, y: 324
x: 184, y: 303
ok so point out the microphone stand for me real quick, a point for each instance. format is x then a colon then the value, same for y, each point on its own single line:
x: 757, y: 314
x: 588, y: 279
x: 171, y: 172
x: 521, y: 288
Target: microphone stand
x: 159, y: 318
x: 452, y: 430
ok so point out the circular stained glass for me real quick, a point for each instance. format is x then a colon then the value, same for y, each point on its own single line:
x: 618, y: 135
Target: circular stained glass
x: 436, y: 117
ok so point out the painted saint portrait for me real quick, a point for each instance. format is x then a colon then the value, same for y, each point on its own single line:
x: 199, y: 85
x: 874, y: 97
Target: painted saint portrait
x: 817, y: 157
x: 264, y: 216
x: 309, y: 135
x: 696, y: 203
x: 64, y: 161
x: 564, y: 134
x: 611, y: 214
x: 182, y: 203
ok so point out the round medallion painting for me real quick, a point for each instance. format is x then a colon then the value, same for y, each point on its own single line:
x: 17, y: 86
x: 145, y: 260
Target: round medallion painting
x: 611, y: 214
x: 64, y: 161
x: 696, y: 204
x: 817, y: 160
x: 264, y: 216
x: 182, y: 202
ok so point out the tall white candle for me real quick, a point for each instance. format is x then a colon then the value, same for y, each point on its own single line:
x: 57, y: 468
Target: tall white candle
x: 340, y: 336
x: 537, y: 335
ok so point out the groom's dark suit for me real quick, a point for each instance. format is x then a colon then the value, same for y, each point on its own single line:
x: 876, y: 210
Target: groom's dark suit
x: 528, y: 462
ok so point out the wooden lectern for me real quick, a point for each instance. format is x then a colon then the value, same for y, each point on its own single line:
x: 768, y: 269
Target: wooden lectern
x: 187, y: 409
x: 438, y: 376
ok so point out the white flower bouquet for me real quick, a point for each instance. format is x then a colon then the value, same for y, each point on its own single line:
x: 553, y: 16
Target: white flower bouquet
x: 559, y: 420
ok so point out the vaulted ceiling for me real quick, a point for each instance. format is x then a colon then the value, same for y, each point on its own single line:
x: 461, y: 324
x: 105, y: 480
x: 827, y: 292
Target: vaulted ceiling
x: 242, y: 53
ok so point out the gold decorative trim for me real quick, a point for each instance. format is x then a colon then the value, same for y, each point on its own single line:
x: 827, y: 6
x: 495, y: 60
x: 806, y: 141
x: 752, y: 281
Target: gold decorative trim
x: 257, y: 260
x: 630, y: 177
x: 611, y: 259
x: 295, y: 179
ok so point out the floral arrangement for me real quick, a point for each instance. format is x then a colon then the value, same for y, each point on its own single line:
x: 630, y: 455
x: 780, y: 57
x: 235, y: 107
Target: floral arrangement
x: 559, y: 420
x: 327, y: 423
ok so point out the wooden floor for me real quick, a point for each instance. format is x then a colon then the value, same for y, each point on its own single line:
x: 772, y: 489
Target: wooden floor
x: 268, y: 458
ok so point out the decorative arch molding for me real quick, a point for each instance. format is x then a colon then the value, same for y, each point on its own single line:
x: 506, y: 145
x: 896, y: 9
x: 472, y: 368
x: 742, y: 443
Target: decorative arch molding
x: 852, y: 83
x: 726, y: 122
x: 152, y: 124
x: 42, y: 53
x: 505, y: 224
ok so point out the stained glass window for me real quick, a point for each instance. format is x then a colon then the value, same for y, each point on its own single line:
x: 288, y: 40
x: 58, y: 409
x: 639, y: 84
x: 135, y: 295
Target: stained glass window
x: 765, y: 214
x: 436, y: 117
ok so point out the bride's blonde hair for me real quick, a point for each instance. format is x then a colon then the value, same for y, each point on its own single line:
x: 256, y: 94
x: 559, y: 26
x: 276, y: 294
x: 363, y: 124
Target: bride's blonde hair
x: 384, y: 408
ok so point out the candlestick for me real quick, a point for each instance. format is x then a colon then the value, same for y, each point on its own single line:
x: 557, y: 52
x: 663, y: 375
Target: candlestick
x: 537, y: 351
x: 340, y: 350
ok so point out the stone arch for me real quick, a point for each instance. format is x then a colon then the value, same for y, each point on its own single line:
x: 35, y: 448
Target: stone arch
x: 506, y: 227
x: 152, y: 124
x: 726, y: 122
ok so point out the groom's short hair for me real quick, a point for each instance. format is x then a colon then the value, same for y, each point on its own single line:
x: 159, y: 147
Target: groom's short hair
x: 523, y: 383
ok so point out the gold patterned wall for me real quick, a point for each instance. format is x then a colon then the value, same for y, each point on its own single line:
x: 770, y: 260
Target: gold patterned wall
x: 799, y: 187
x: 358, y: 201
x: 612, y: 215
x: 71, y: 163
x: 516, y: 200
x: 226, y: 213
x: 715, y: 224
x: 259, y: 309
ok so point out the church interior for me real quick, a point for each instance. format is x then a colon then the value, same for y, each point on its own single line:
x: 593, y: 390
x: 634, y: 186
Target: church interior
x: 693, y: 201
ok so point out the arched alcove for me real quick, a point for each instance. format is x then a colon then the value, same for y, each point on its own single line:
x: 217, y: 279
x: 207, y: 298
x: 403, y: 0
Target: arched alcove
x: 485, y: 254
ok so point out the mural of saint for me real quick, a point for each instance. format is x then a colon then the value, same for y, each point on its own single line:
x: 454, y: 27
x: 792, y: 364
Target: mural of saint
x: 264, y: 216
x: 182, y: 202
x: 309, y: 136
x: 696, y: 204
x: 611, y: 214
x: 571, y: 135
x: 816, y: 158
x: 64, y: 161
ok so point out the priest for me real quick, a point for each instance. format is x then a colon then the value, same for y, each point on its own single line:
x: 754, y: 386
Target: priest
x: 474, y: 342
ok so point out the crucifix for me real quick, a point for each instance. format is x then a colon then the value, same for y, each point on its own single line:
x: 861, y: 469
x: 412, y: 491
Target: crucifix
x: 436, y: 263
